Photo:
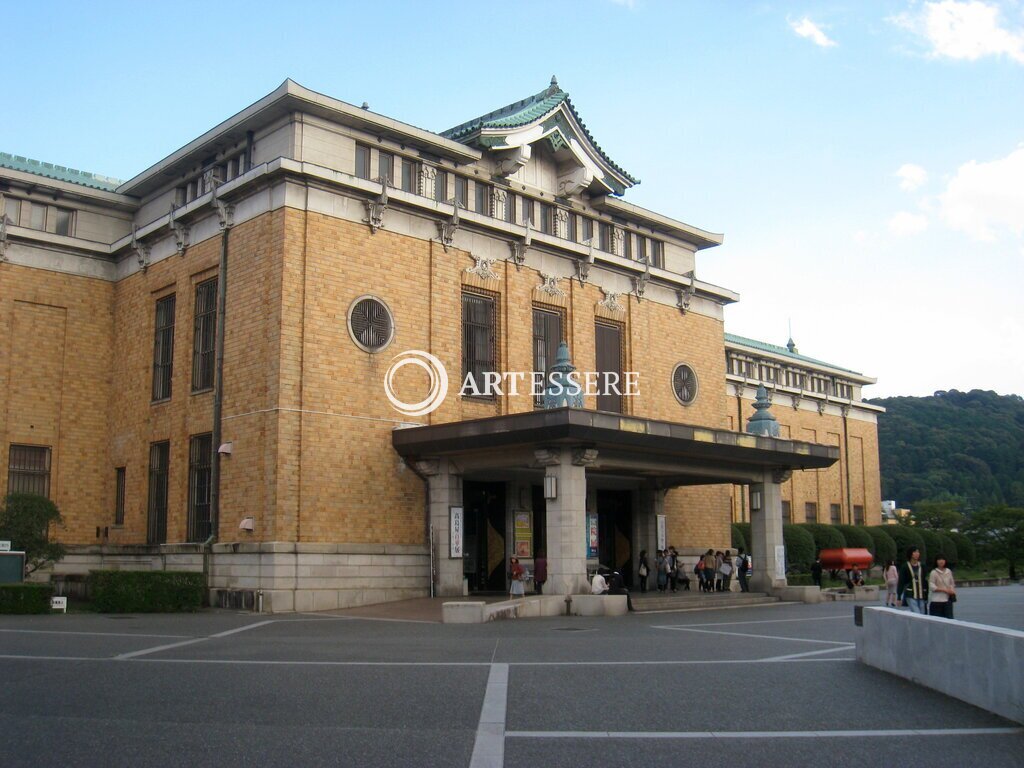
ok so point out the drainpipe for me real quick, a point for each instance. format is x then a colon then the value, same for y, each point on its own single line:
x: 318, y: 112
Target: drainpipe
x: 225, y: 212
x: 846, y: 452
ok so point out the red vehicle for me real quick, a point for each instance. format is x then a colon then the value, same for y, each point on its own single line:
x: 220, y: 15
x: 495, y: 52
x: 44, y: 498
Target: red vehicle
x: 846, y: 558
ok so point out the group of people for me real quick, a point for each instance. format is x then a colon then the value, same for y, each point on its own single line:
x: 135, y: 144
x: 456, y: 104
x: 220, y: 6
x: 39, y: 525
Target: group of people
x: 932, y: 593
x: 714, y: 570
x: 607, y: 582
x: 518, y: 576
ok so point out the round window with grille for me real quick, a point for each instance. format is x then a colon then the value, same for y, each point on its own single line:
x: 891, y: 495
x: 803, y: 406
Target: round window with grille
x: 684, y: 384
x: 370, y: 324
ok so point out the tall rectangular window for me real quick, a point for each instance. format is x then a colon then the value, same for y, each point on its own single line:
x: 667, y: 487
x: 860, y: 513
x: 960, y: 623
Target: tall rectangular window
x: 588, y: 229
x: 479, y: 337
x: 156, y: 512
x: 527, y: 217
x: 483, y: 198
x: 641, y: 253
x: 627, y: 245
x: 570, y: 228
x: 547, y: 335
x: 462, y: 191
x: 362, y: 161
x: 604, y: 237
x: 510, y: 208
x: 858, y: 514
x: 12, y: 210
x: 608, y: 338
x: 810, y: 512
x: 441, y: 186
x: 37, y: 216
x: 836, y: 512
x: 28, y: 470
x: 386, y: 167
x: 61, y: 221
x: 656, y: 253
x: 787, y: 512
x: 546, y: 218
x: 119, y: 488
x: 163, y: 348
x: 410, y: 175
x: 199, y: 460
x: 204, y: 336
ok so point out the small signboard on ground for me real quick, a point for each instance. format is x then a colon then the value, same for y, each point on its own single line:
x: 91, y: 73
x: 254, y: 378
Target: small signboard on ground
x: 59, y: 604
x: 5, y: 546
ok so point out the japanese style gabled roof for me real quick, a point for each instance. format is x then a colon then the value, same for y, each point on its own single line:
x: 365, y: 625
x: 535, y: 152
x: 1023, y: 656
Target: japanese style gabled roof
x: 487, y: 130
x: 59, y: 172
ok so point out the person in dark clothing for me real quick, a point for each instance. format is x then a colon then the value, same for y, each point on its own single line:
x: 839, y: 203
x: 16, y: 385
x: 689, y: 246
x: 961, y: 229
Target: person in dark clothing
x: 742, y: 566
x: 816, y: 570
x: 643, y: 569
x: 912, y: 587
x: 616, y: 586
x: 540, y: 572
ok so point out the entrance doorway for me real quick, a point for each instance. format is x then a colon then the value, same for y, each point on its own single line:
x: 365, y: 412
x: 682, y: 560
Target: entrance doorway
x: 615, y: 532
x: 484, y: 536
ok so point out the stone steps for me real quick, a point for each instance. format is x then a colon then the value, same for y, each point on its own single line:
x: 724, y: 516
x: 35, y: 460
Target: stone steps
x: 687, y: 601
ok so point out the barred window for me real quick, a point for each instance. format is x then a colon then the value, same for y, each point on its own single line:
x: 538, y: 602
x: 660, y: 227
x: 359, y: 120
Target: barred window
x: 547, y: 335
x: 479, y: 345
x: 810, y: 512
x: 836, y: 512
x: 119, y: 488
x: 156, y: 517
x: 787, y: 512
x: 858, y: 514
x: 28, y: 470
x: 199, y: 463
x: 204, y: 336
x: 163, y: 348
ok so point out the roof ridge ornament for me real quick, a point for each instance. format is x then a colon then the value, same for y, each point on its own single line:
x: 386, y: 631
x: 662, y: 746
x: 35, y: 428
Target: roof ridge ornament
x: 762, y: 422
x: 561, y: 390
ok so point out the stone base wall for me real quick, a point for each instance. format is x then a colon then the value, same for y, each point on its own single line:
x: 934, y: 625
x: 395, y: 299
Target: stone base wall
x: 291, y: 576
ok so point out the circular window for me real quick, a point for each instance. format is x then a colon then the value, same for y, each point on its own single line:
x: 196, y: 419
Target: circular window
x: 370, y: 324
x: 684, y: 384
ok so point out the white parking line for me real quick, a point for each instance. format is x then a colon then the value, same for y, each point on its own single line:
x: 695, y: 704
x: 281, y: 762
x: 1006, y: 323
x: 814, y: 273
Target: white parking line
x: 851, y: 734
x: 299, y: 663
x: 759, y: 637
x: 194, y: 640
x: 489, y: 748
x: 846, y: 616
x: 93, y: 634
x: 789, y: 657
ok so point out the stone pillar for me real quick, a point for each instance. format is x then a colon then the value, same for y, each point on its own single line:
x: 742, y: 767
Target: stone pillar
x: 444, y: 490
x: 767, y: 546
x: 566, y: 518
x: 651, y: 503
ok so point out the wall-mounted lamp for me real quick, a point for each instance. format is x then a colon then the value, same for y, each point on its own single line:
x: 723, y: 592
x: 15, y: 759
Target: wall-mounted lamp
x: 247, y: 524
x: 226, y: 448
x: 755, y: 501
x: 550, y: 487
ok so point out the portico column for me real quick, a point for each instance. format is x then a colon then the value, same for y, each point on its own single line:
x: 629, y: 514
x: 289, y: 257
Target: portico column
x: 566, y: 517
x: 767, y: 545
x: 645, y: 522
x: 444, y: 490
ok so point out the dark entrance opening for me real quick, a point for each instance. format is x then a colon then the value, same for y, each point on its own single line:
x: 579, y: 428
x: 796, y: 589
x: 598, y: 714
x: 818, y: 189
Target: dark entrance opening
x: 484, y: 536
x: 615, y: 532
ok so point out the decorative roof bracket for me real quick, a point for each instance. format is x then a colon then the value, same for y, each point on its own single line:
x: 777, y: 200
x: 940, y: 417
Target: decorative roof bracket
x: 518, y: 248
x: 375, y: 208
x: 181, y: 232
x: 685, y: 295
x: 640, y: 283
x: 447, y: 229
x: 513, y: 159
x: 140, y: 248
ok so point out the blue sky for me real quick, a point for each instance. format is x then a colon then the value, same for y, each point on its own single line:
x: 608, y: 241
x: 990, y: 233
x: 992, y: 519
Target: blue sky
x: 865, y: 160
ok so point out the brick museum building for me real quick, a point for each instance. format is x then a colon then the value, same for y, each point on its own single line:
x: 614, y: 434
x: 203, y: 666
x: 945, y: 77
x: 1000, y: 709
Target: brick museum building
x: 201, y: 365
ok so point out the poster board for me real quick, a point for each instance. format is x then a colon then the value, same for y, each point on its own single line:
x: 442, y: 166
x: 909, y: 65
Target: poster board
x: 592, y: 535
x: 662, y: 535
x: 522, y: 533
x: 455, y: 533
x: 12, y: 567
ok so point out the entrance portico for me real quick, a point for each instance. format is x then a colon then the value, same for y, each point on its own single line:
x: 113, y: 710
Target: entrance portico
x: 570, y: 449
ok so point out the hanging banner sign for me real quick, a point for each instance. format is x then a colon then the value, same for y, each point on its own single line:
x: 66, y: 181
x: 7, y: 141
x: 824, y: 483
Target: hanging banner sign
x: 592, y: 541
x: 662, y: 535
x: 523, y: 533
x: 455, y: 532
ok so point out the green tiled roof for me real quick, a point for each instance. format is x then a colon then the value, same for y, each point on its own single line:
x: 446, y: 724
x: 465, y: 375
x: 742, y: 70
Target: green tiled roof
x: 59, y: 172
x: 527, y: 111
x: 783, y: 351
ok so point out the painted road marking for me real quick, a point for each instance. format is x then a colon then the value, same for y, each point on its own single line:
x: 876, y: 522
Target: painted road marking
x: 193, y: 641
x: 893, y: 733
x: 489, y: 748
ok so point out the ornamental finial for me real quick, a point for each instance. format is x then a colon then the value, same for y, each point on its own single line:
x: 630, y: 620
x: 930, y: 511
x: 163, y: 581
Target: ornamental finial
x: 554, y: 82
x: 762, y: 422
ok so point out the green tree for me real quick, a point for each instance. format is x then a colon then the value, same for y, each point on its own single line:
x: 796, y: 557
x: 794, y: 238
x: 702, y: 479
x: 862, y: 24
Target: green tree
x: 905, y: 537
x: 885, y: 548
x: 964, y: 548
x: 825, y: 536
x: 998, y: 530
x: 26, y: 520
x: 936, y: 515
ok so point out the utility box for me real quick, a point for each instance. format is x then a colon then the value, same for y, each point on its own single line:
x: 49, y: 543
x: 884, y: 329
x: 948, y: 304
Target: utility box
x: 12, y: 567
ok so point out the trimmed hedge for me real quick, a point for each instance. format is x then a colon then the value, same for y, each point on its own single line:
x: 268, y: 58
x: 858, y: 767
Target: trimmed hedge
x: 906, y: 537
x: 857, y: 536
x: 800, y: 547
x: 25, y: 598
x: 932, y: 545
x: 964, y: 548
x: 146, y: 591
x: 949, y: 548
x: 744, y: 529
x: 825, y: 536
x: 885, y: 548
x: 739, y: 541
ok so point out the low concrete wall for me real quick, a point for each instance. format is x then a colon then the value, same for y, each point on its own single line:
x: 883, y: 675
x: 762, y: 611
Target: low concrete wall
x: 598, y: 605
x: 478, y: 612
x: 799, y: 594
x: 976, y: 663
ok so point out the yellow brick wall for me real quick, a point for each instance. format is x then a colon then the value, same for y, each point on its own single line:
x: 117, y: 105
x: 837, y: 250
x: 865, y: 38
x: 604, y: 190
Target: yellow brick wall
x: 55, y: 374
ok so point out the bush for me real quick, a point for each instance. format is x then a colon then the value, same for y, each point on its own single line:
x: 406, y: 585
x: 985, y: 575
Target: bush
x: 825, y: 536
x: 146, y: 591
x: 800, y: 547
x: 857, y: 536
x: 26, y: 520
x: 964, y: 548
x: 739, y: 541
x: 906, y: 537
x: 25, y: 598
x: 744, y: 530
x: 932, y: 545
x: 948, y: 547
x: 885, y: 548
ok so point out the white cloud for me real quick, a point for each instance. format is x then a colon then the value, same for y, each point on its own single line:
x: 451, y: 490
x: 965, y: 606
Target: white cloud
x: 631, y: 4
x: 986, y: 197
x: 904, y: 224
x: 807, y: 28
x: 911, y: 176
x: 963, y: 30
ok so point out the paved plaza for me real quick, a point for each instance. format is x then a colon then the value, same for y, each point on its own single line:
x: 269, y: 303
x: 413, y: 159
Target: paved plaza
x: 761, y: 686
